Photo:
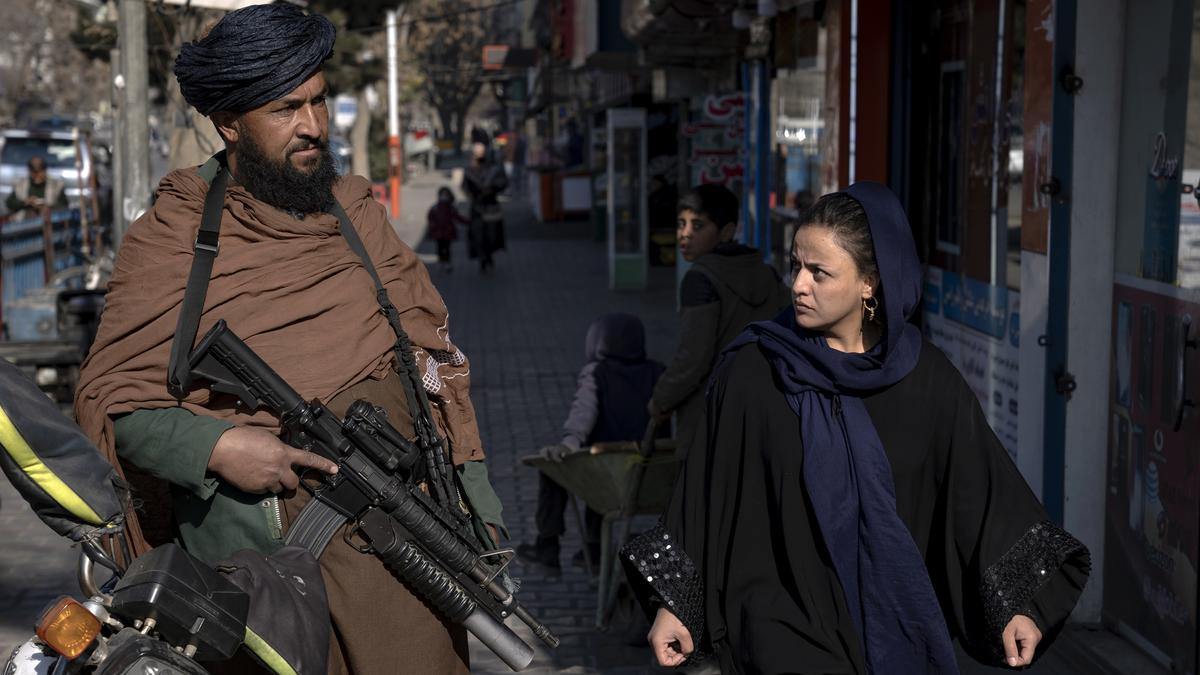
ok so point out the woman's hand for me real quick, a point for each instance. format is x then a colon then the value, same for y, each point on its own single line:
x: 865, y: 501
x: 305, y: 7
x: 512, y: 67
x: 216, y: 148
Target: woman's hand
x: 670, y: 639
x: 1021, y: 637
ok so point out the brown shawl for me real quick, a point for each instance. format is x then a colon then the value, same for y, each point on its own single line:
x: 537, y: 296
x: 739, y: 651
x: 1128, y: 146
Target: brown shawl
x: 291, y: 289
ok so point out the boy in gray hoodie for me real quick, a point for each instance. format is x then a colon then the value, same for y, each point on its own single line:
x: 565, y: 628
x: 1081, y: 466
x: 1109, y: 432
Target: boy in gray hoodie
x: 727, y: 287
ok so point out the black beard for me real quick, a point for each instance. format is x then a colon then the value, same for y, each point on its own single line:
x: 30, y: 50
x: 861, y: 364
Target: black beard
x: 281, y: 184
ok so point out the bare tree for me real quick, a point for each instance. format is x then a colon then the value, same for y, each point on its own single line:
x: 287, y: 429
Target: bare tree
x: 446, y: 46
x: 40, y: 71
x: 357, y: 64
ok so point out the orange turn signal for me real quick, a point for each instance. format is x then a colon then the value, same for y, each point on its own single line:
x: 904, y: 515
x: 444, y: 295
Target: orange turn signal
x: 68, y: 627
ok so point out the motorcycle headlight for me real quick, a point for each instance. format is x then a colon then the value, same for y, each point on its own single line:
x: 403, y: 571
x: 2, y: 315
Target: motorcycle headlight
x: 149, y: 665
x: 131, y: 653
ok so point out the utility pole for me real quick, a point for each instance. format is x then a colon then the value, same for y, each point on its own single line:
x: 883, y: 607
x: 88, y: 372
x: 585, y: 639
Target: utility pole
x: 132, y: 83
x: 395, y: 157
x: 118, y: 152
x: 402, y: 120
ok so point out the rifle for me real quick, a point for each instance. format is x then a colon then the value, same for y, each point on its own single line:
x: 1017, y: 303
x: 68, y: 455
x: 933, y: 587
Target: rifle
x: 424, y: 538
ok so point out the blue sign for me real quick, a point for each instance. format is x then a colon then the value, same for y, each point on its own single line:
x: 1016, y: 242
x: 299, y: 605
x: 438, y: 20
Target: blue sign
x: 976, y: 304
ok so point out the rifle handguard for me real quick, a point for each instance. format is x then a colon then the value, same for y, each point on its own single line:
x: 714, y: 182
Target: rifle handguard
x: 416, y: 537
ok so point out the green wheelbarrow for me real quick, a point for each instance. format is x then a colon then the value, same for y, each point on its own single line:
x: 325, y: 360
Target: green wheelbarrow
x: 619, y: 481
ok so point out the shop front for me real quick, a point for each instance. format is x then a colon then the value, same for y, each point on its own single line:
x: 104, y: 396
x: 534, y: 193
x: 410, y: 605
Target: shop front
x: 974, y: 218
x: 1153, y: 472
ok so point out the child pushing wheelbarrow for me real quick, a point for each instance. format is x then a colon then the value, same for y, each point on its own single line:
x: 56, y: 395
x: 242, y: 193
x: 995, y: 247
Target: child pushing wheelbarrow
x: 600, y: 457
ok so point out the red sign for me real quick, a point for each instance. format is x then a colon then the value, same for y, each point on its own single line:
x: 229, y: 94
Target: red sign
x: 493, y: 56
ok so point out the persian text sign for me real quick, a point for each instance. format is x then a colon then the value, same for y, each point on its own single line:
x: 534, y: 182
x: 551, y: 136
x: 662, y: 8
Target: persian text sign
x: 977, y: 326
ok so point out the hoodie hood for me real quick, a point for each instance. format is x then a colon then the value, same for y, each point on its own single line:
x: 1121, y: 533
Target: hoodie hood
x: 741, y: 269
x: 616, y: 336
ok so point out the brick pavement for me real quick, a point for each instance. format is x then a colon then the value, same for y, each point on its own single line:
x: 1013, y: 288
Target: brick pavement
x: 36, y: 566
x: 523, y: 326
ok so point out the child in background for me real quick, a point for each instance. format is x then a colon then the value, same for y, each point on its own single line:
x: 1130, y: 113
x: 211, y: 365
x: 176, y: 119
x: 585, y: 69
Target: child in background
x: 442, y: 224
x: 727, y: 287
x: 613, y: 389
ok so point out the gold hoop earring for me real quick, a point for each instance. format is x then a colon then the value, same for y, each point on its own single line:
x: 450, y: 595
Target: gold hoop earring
x: 870, y: 308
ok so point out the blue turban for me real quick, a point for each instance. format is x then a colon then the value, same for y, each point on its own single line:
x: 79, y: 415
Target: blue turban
x: 252, y: 56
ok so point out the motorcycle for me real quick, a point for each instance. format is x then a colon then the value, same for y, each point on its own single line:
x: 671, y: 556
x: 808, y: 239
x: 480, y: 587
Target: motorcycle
x: 160, y: 616
x: 166, y: 612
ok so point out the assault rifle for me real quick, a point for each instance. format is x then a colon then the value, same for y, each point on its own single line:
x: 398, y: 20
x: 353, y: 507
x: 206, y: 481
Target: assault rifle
x: 425, y: 535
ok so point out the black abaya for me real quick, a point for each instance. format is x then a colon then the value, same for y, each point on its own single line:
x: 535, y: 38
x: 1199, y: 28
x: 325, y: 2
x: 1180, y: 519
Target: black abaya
x: 757, y: 584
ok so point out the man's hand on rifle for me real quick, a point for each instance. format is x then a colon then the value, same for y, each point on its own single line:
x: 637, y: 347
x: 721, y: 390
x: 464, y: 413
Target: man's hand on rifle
x: 255, y: 460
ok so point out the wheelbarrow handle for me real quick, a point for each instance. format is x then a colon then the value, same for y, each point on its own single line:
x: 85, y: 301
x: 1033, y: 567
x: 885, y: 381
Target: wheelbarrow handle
x: 612, y: 569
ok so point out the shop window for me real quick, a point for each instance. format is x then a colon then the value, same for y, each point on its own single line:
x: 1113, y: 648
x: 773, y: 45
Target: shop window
x: 1011, y: 175
x: 797, y: 136
x: 1186, y: 267
x: 947, y: 187
x: 799, y: 124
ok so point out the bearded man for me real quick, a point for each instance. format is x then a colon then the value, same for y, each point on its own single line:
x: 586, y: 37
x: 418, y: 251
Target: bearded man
x: 290, y: 286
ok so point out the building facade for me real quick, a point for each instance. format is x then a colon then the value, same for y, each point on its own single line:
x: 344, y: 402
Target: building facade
x: 1045, y: 154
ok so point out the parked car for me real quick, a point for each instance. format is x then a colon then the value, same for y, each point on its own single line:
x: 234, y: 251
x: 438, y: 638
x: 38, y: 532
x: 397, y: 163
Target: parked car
x: 58, y: 148
x: 47, y: 333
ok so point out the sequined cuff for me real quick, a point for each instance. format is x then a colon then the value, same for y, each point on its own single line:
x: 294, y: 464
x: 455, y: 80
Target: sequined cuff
x: 661, y: 572
x: 1010, y: 583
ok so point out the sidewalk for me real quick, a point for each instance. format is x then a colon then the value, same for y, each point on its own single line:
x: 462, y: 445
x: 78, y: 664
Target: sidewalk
x: 522, y: 325
x: 36, y: 566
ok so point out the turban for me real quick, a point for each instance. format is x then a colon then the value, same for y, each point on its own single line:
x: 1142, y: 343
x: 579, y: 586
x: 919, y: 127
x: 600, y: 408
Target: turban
x: 252, y: 56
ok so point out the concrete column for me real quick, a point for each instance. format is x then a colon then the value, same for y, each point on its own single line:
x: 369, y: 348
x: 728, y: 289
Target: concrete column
x: 1099, y: 61
x: 135, y: 124
x: 1035, y: 285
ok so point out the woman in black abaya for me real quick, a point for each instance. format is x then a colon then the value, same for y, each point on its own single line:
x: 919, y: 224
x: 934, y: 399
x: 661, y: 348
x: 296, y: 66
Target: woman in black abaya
x: 853, y: 511
x: 483, y: 182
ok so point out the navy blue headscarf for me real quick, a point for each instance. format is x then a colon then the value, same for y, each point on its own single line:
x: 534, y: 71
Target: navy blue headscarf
x: 253, y: 55
x: 846, y: 470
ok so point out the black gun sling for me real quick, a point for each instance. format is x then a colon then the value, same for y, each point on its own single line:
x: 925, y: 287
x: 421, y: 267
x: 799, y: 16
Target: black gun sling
x: 318, y: 521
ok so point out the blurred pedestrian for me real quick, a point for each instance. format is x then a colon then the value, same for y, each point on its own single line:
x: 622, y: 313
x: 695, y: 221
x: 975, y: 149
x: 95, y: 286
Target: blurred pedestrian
x: 571, y: 144
x: 609, y: 405
x: 37, y: 190
x: 483, y: 182
x: 520, y: 147
x: 727, y: 287
x: 442, y: 225
x: 853, y: 509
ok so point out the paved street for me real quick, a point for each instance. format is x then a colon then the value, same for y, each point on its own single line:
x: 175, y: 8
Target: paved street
x: 523, y: 326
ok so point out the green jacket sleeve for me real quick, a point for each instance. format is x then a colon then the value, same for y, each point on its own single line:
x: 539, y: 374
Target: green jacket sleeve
x: 480, y: 495
x: 172, y: 444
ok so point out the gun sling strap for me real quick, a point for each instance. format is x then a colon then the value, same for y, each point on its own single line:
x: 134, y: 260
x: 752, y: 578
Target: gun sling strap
x: 317, y: 522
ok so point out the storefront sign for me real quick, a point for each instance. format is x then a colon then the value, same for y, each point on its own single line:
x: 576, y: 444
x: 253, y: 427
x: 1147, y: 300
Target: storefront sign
x: 716, y: 136
x: 1160, y: 241
x: 977, y: 326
